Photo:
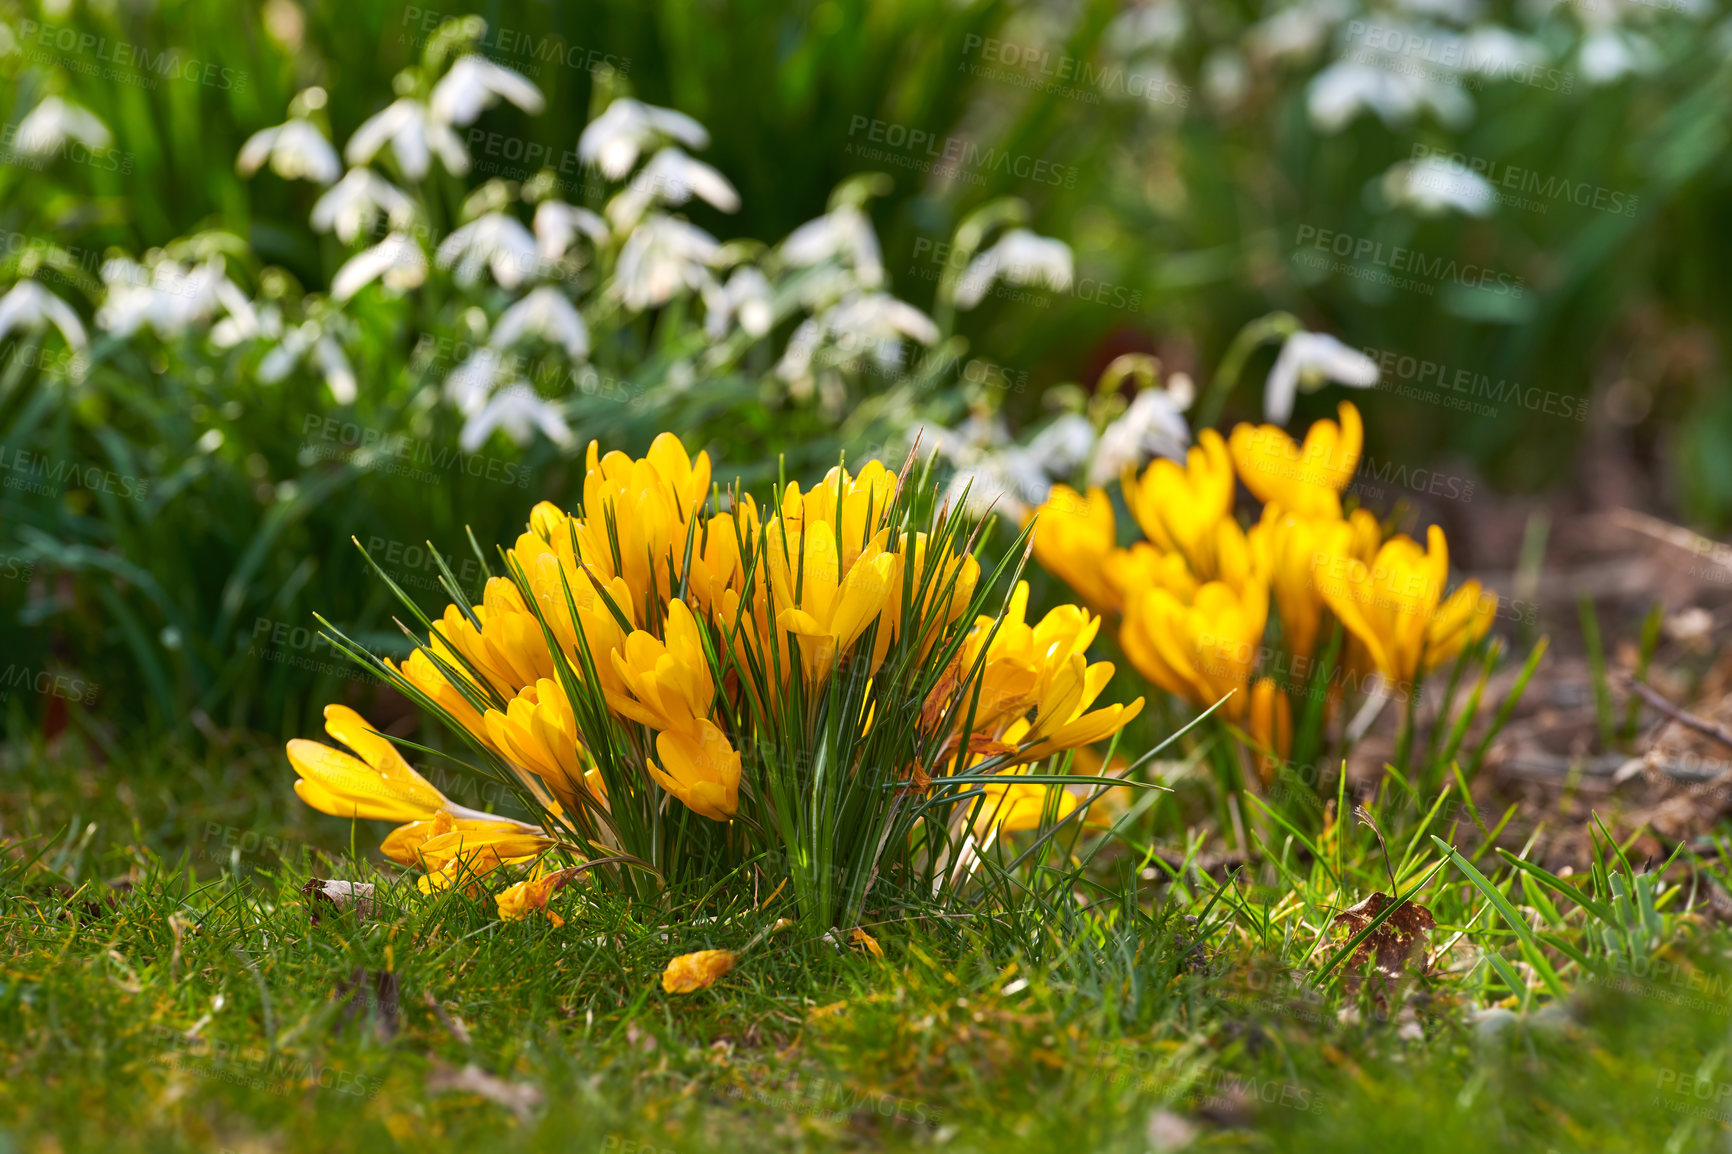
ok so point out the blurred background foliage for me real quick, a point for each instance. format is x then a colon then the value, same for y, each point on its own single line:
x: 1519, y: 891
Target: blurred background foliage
x: 1184, y: 205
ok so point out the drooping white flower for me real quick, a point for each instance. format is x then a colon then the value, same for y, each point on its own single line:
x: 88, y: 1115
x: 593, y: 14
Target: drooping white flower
x: 1608, y: 54
x: 557, y: 225
x: 1396, y: 92
x: 493, y: 241
x: 167, y: 297
x: 245, y: 325
x: 746, y: 298
x: 994, y: 473
x: 414, y: 134
x: 1153, y: 425
x: 843, y: 234
x: 1307, y: 362
x: 858, y: 325
x: 1434, y: 185
x: 544, y: 312
x: 518, y: 410
x: 397, y: 262
x: 671, y: 178
x: 662, y: 256
x: 1018, y: 257
x: 1297, y: 31
x: 469, y: 385
x: 1148, y: 27
x: 474, y: 83
x: 31, y: 306
x: 296, y: 149
x: 351, y: 205
x: 311, y: 336
x: 52, y: 123
x: 614, y: 140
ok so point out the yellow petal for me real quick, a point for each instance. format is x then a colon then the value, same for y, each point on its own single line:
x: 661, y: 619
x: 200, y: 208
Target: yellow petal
x: 697, y: 971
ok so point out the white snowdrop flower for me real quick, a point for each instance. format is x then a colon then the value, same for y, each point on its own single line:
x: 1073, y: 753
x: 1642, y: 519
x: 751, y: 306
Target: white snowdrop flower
x: 168, y: 297
x: 1496, y: 52
x: 281, y: 360
x: 327, y: 353
x: 339, y: 376
x: 519, y: 410
x: 242, y: 322
x: 745, y: 298
x: 1297, y: 31
x: 671, y: 177
x: 1347, y: 87
x: 469, y: 385
x: 352, y: 205
x: 660, y: 257
x: 255, y: 324
x: 55, y: 121
x: 1019, y: 257
x: 414, y: 134
x: 859, y: 324
x: 1157, y: 27
x: 397, y: 262
x: 31, y: 306
x: 296, y: 149
x: 1609, y: 54
x: 1307, y: 362
x: 1434, y: 185
x: 996, y: 474
x: 614, y: 140
x: 1153, y: 425
x: 545, y: 313
x: 1226, y: 78
x: 557, y: 225
x: 495, y: 241
x: 474, y: 83
x: 749, y: 296
x: 844, y: 234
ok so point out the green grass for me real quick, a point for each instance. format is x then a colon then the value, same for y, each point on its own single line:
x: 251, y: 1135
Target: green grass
x: 196, y: 1006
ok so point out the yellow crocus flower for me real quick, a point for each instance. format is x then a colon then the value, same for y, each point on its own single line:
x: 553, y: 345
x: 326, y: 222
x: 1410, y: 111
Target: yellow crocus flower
x: 1074, y: 536
x: 1271, y: 726
x: 538, y: 732
x: 1306, y: 480
x: 1180, y: 507
x: 1394, y: 606
x: 824, y: 606
x: 669, y: 689
x: 1201, y: 650
x: 379, y: 784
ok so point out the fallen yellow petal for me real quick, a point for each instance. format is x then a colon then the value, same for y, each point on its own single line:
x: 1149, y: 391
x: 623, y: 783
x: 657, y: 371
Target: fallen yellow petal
x: 698, y: 971
x: 861, y: 938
